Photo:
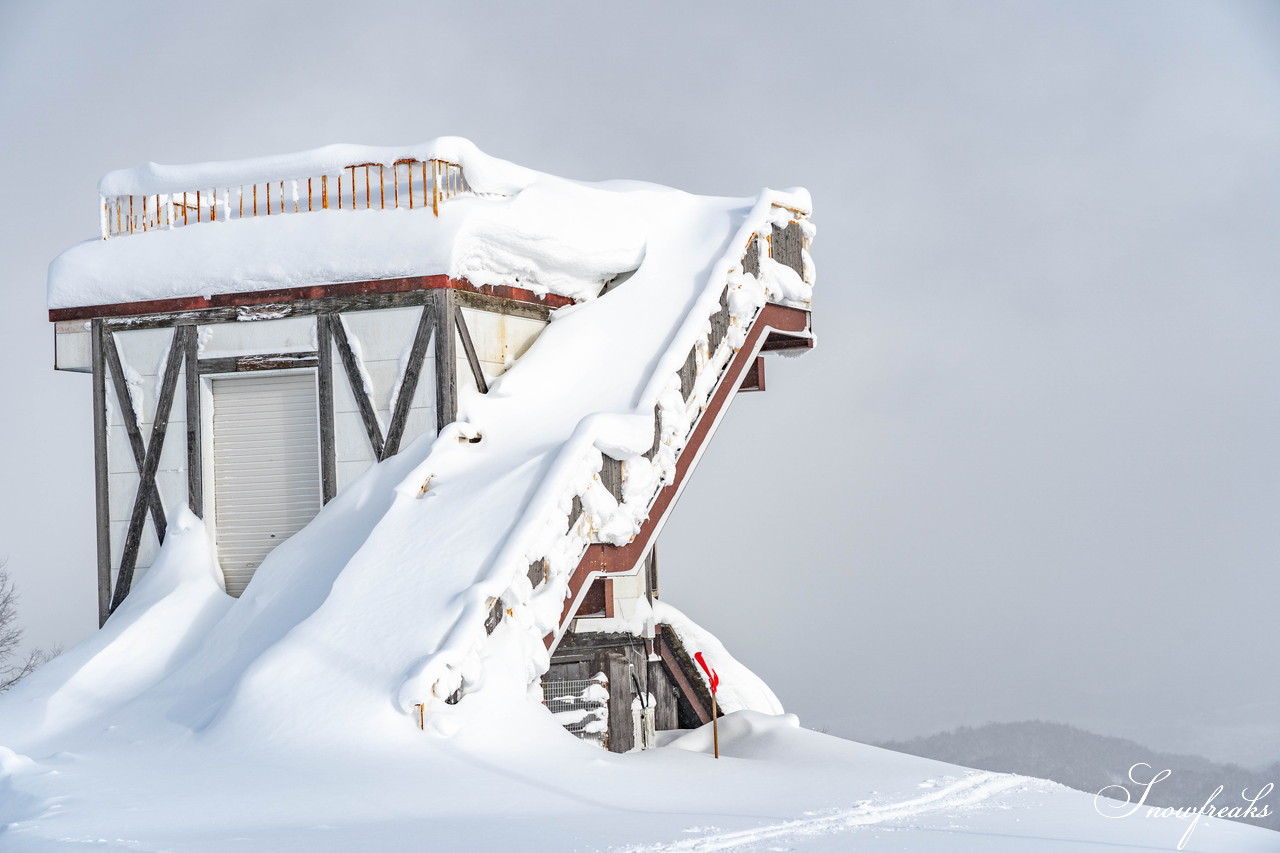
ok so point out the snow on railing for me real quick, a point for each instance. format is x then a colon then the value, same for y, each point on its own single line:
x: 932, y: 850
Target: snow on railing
x: 625, y: 490
x: 405, y: 183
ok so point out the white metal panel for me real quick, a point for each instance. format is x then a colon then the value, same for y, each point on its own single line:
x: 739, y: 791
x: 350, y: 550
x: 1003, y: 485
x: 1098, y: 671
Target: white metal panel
x: 72, y: 348
x: 258, y: 337
x: 266, y: 466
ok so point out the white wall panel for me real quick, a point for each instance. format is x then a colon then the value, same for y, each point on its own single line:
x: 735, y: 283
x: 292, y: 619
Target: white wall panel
x: 258, y: 337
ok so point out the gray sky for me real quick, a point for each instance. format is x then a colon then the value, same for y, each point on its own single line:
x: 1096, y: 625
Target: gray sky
x: 1031, y: 469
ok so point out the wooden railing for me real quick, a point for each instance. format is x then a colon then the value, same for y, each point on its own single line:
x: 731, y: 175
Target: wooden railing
x: 406, y: 183
x: 675, y: 420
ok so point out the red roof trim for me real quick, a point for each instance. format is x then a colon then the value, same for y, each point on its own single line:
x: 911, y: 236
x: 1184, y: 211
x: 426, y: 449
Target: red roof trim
x: 291, y: 294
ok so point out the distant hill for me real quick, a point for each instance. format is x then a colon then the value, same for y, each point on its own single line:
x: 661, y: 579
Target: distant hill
x: 1089, y: 762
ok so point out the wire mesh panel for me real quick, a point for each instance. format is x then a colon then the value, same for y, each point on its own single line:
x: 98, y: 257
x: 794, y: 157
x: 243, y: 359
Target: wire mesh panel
x: 581, y: 706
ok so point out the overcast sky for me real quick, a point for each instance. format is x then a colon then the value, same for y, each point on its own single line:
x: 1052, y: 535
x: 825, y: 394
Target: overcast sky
x: 1030, y: 471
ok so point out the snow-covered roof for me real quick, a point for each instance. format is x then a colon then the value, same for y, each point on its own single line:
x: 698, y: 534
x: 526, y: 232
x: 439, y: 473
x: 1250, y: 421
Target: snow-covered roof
x: 493, y: 223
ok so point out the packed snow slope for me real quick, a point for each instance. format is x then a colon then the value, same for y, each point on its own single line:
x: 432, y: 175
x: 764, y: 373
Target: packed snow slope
x: 285, y: 720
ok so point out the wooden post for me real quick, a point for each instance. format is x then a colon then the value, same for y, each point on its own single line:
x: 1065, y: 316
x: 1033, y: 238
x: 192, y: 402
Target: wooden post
x: 195, y: 456
x: 382, y: 190
x: 101, y: 482
x: 446, y: 360
x: 435, y: 186
x: 324, y: 377
x: 715, y: 726
x: 408, y: 167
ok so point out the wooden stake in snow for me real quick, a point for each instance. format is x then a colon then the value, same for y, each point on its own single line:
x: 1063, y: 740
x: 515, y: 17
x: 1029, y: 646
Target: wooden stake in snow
x: 714, y: 681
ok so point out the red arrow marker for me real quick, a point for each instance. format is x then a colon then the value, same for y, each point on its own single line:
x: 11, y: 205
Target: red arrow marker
x: 711, y: 673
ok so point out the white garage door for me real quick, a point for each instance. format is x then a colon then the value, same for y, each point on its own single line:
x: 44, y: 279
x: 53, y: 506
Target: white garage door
x: 266, y: 466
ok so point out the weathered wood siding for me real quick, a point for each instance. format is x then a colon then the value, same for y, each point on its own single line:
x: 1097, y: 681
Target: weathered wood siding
x: 786, y: 245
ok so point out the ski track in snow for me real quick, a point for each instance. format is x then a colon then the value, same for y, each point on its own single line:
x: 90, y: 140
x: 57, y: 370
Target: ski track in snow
x: 967, y: 792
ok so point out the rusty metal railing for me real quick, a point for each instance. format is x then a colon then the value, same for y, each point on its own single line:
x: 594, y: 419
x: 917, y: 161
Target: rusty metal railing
x: 406, y: 183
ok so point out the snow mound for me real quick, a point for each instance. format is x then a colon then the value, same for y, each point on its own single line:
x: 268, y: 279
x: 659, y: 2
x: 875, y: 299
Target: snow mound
x: 740, y: 690
x: 740, y: 731
x: 153, y: 631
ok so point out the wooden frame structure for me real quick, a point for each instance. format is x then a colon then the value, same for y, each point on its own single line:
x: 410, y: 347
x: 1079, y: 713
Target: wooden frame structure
x: 440, y: 327
x: 637, y: 665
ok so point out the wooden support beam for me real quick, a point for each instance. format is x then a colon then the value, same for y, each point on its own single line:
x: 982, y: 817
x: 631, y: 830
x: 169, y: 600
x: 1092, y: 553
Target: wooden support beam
x: 356, y: 380
x: 317, y: 299
x: 324, y: 381
x: 408, y: 385
x: 469, y: 348
x: 446, y: 361
x: 684, y: 681
x: 651, y: 573
x: 101, y: 482
x: 159, y: 425
x: 271, y: 361
x: 195, y: 447
x: 754, y: 380
x: 130, y: 416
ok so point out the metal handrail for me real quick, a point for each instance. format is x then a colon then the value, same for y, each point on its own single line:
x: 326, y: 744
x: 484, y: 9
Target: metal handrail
x: 405, y: 183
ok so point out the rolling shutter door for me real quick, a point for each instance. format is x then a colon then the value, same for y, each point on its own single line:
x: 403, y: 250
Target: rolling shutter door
x: 266, y: 467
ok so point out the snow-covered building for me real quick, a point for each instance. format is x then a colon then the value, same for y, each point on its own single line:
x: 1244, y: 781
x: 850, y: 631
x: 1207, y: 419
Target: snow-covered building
x: 263, y: 333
